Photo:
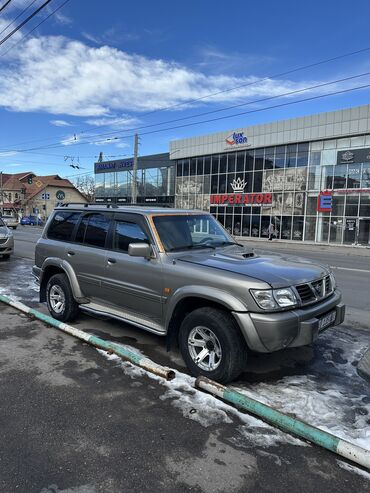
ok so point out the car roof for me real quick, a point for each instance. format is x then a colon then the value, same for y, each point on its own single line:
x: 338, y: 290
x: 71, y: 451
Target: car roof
x: 143, y: 210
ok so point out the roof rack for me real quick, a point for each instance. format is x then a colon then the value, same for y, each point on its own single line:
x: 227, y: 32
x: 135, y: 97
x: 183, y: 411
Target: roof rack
x: 111, y: 206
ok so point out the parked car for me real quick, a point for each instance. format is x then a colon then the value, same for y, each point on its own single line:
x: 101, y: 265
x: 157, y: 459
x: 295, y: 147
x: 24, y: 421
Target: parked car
x: 10, y: 221
x: 31, y: 221
x: 179, y: 274
x: 6, y: 240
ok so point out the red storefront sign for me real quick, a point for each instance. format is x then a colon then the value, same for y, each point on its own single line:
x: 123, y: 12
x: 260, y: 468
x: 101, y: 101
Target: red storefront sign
x: 241, y: 198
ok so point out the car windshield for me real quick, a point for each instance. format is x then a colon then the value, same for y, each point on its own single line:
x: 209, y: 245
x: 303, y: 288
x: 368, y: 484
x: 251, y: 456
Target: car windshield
x: 185, y: 232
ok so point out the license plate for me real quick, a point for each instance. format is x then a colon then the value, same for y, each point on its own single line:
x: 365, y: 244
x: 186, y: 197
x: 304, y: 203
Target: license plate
x: 327, y: 320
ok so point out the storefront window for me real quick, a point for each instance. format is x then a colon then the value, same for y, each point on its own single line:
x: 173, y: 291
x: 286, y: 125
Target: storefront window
x: 315, y: 159
x: 286, y: 228
x: 311, y: 205
x: 352, y: 205
x: 223, y: 163
x: 365, y: 205
x: 338, y: 205
x: 240, y: 161
x: 255, y: 226
x: 280, y: 157
x: 340, y: 174
x: 336, y: 230
x: 291, y: 156
x: 200, y: 166
x: 193, y: 166
x: 246, y: 226
x: 249, y: 159
x: 354, y: 176
x: 258, y: 160
x: 207, y: 165
x: 327, y: 177
x: 366, y: 175
x: 302, y: 155
x: 99, y: 185
x: 215, y: 165
x: 310, y: 228
x: 297, y: 232
x: 257, y: 183
x: 314, y: 178
x: 222, y: 184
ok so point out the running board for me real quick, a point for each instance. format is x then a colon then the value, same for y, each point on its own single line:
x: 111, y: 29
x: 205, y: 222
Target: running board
x: 128, y: 317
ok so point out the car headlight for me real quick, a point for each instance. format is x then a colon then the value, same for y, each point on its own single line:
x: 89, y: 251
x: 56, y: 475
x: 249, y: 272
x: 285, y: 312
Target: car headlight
x: 285, y: 297
x: 333, y: 281
x: 264, y: 298
x: 271, y: 299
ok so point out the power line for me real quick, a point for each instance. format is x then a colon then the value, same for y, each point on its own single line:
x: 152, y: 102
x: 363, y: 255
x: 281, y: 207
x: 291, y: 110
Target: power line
x: 287, y: 72
x: 33, y: 29
x: 57, y: 145
x: 31, y: 16
x: 19, y: 15
x: 5, y: 4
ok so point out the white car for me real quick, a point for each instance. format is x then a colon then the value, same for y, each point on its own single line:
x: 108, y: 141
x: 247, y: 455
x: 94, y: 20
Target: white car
x: 10, y: 221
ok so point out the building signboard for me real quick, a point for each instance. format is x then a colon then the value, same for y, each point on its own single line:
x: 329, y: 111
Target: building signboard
x: 353, y: 156
x: 241, y: 199
x: 111, y: 166
x: 325, y: 202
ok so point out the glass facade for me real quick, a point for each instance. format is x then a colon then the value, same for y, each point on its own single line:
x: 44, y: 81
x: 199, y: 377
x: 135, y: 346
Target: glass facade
x: 155, y: 182
x: 248, y: 190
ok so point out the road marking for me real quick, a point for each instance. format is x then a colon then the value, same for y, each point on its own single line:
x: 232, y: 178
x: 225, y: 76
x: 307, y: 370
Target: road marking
x: 347, y: 268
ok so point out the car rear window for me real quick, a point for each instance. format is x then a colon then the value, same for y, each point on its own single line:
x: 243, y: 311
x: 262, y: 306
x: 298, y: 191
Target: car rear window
x: 93, y: 230
x: 62, y: 225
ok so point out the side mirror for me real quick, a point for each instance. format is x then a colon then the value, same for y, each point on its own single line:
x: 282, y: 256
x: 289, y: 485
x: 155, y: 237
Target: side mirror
x: 140, y: 250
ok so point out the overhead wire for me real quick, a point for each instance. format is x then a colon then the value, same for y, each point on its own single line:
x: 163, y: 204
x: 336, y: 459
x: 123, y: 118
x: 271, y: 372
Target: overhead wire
x: 4, y: 5
x: 17, y: 17
x: 34, y: 28
x: 27, y: 19
x: 58, y: 145
x: 287, y: 72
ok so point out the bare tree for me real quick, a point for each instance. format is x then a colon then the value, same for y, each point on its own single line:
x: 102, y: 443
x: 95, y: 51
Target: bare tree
x: 86, y: 185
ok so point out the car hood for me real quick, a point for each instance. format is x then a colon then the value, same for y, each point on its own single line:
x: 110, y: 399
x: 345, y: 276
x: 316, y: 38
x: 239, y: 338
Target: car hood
x: 275, y: 269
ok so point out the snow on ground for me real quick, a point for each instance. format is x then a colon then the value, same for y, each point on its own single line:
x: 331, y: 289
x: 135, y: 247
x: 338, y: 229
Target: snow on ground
x: 330, y: 395
x: 206, y: 409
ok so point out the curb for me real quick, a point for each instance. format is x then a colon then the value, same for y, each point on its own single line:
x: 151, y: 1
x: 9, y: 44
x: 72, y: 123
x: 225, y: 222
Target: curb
x: 295, y: 426
x: 111, y: 347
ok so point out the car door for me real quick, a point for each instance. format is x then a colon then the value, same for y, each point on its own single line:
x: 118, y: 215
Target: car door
x: 131, y: 283
x: 87, y: 253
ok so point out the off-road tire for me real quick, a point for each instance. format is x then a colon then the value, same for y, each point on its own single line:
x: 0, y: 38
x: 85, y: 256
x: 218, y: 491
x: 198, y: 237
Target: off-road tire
x: 233, y: 346
x: 70, y: 310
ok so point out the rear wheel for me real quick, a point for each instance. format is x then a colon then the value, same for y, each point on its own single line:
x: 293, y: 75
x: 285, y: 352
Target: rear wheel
x: 59, y: 298
x: 212, y: 345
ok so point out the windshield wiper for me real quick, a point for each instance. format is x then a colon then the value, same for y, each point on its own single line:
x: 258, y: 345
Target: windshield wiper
x: 191, y: 247
x: 227, y: 243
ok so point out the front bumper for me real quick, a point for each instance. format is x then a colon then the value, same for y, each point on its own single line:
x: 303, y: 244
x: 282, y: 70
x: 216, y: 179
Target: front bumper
x: 268, y: 332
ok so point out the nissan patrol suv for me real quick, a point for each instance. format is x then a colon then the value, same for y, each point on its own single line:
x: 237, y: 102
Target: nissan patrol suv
x: 179, y: 274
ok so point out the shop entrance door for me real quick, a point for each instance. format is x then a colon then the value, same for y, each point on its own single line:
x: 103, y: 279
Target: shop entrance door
x: 364, y: 231
x: 350, y: 230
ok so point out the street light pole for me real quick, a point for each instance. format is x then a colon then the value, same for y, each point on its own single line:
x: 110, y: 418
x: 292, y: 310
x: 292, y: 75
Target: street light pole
x: 134, y: 171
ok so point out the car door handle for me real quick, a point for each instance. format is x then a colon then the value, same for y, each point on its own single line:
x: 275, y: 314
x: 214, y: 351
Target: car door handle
x: 112, y: 261
x: 70, y: 253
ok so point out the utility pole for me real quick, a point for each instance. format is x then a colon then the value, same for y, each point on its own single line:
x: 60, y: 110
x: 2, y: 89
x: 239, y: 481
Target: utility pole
x: 134, y: 171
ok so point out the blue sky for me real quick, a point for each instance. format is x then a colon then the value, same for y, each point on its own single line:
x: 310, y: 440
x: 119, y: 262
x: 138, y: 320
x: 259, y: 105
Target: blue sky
x: 83, y: 80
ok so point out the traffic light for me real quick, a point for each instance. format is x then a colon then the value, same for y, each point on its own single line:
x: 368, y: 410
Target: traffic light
x: 29, y: 180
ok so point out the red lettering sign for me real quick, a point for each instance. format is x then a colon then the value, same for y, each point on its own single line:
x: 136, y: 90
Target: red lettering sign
x: 246, y: 198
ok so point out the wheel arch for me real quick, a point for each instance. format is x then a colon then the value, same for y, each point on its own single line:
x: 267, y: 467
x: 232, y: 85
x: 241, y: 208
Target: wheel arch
x: 187, y: 300
x: 54, y: 266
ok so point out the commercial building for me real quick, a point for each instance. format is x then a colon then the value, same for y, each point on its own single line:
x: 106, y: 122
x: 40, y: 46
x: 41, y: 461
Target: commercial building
x: 155, y: 180
x: 309, y: 177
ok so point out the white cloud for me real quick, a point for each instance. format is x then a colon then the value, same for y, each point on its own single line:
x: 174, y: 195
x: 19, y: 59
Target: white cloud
x: 114, y: 122
x: 61, y: 76
x: 8, y: 153
x: 70, y: 140
x: 61, y: 123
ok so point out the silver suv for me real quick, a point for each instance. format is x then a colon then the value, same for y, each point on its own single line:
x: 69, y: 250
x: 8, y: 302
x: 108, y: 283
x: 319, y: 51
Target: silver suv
x: 180, y: 274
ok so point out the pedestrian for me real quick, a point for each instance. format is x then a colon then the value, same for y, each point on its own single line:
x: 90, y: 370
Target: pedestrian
x: 271, y: 231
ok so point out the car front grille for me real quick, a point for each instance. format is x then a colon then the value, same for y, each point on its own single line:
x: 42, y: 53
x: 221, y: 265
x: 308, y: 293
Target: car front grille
x: 315, y: 290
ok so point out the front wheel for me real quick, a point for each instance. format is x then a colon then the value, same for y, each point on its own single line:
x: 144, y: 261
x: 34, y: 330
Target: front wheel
x: 59, y: 298
x: 212, y: 345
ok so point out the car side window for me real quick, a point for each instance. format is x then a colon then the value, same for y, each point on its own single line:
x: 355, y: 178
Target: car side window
x: 93, y: 230
x: 127, y: 232
x: 62, y: 225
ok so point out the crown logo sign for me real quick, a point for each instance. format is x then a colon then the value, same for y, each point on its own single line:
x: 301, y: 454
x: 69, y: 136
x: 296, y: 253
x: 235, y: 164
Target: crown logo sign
x: 238, y: 185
